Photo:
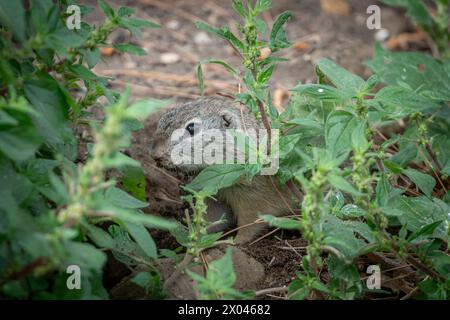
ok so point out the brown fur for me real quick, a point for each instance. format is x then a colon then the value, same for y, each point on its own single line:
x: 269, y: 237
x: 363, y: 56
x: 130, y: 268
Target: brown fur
x: 246, y: 200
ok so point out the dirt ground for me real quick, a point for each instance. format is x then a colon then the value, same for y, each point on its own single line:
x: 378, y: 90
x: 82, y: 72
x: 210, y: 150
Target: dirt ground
x: 168, y: 71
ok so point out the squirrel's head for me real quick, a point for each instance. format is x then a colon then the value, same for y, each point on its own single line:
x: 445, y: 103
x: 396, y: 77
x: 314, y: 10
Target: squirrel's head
x: 188, y: 133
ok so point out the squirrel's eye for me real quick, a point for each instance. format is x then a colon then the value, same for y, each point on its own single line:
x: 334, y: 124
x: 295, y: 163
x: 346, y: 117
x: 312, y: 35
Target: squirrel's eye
x: 191, y: 128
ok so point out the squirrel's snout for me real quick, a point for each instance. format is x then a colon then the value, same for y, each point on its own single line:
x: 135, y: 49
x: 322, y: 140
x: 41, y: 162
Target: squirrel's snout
x: 156, y: 150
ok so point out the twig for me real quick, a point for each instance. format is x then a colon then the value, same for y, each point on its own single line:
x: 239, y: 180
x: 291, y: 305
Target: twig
x: 267, y: 126
x: 271, y: 290
x: 259, y: 221
x: 264, y: 236
x: 291, y: 185
x: 281, y: 195
x: 179, y: 269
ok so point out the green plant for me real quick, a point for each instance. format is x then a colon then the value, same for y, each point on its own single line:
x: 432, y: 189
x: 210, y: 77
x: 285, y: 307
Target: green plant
x: 217, y: 284
x: 56, y: 211
x: 366, y: 193
x: 436, y: 25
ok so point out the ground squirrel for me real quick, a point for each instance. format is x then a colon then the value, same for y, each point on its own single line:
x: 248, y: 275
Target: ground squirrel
x: 246, y: 200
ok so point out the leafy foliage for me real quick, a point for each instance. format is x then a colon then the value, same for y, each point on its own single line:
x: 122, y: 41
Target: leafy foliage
x: 365, y: 191
x: 53, y: 207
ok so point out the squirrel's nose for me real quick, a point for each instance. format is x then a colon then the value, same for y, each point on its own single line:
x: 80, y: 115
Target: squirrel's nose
x: 155, y: 151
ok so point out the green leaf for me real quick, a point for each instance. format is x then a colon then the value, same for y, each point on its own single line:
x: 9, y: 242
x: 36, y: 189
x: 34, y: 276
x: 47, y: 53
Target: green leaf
x: 135, y: 25
x: 262, y: 5
x: 142, y: 109
x: 219, y: 280
x: 342, y: 184
x: 200, y: 79
x: 283, y: 223
x: 384, y: 191
x: 264, y: 76
x: 92, y: 57
x: 352, y: 211
x: 12, y: 16
x: 417, y: 72
x: 398, y: 102
x: 106, y: 8
x: 223, y: 33
x: 216, y: 177
x: 139, y: 23
x: 298, y: 290
x: 142, y: 237
x: 125, y: 11
x: 320, y: 92
x: 239, y: 8
x: 19, y: 143
x: 427, y: 230
x: 229, y: 68
x: 130, y: 48
x: 120, y: 198
x: 142, y: 279
x: 417, y: 212
x: 49, y: 100
x: 424, y: 182
x: 339, y: 128
x: 148, y: 220
x: 134, y: 182
x: 416, y: 10
x: 278, y: 38
x: 99, y: 236
x: 349, y: 83
x: 358, y: 138
x: 82, y: 72
x: 341, y: 235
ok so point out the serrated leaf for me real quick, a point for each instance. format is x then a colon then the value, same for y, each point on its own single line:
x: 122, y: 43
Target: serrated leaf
x: 142, y: 237
x: 347, y: 82
x: 424, y: 182
x: 223, y: 33
x: 427, y: 230
x: 106, y: 8
x: 339, y: 128
x: 320, y: 92
x: 342, y: 184
x: 216, y: 177
x: 120, y: 198
x: 130, y: 48
x: 99, y: 236
x: 278, y: 38
x: 283, y: 223
x: 415, y: 71
x: 12, y: 16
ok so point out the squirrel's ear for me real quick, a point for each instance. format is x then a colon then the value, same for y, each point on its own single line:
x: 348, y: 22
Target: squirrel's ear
x: 230, y: 119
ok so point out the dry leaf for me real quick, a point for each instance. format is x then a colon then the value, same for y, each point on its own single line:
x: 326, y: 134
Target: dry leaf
x: 301, y: 46
x: 336, y: 7
x: 403, y: 40
x: 264, y: 53
x: 279, y: 96
x: 107, y: 51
